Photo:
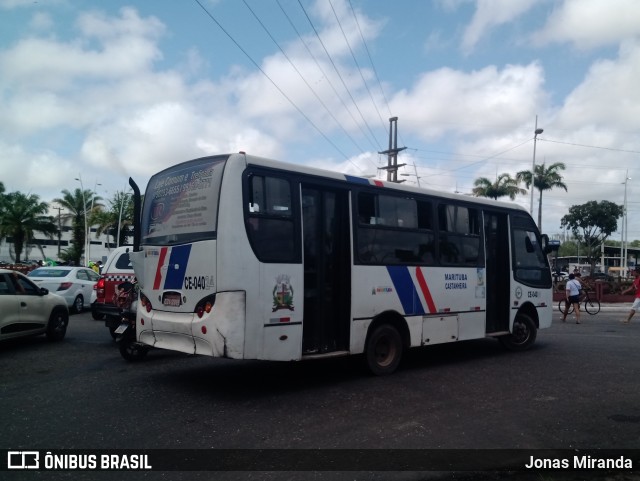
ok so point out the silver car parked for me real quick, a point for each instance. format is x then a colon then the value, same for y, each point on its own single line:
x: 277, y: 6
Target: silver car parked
x: 75, y: 284
x: 27, y: 309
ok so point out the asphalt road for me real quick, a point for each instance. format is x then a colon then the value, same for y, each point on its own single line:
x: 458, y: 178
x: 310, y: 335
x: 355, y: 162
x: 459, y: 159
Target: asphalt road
x: 577, y: 388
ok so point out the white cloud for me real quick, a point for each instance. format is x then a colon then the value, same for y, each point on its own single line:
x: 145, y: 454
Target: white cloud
x: 125, y: 115
x: 41, y: 173
x: 41, y: 21
x: 489, y: 14
x: 127, y: 49
x: 589, y: 24
x: 482, y: 102
x: 609, y: 95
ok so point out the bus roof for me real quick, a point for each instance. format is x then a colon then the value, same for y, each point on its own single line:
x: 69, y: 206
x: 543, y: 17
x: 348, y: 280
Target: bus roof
x: 303, y: 169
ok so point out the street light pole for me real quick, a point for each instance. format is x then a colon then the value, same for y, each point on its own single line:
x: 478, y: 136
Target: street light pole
x: 84, y: 209
x: 93, y: 196
x: 59, y: 229
x: 533, y: 167
x: 625, y: 254
x: 123, y: 197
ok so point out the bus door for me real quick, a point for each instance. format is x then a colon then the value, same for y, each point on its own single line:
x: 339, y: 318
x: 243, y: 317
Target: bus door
x: 498, y: 273
x: 327, y: 270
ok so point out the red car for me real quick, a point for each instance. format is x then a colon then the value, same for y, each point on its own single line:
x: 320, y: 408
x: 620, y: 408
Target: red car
x: 116, y: 270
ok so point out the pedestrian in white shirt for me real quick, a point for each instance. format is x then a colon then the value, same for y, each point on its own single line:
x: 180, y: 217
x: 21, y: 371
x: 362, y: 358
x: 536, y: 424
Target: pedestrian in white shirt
x: 573, y: 297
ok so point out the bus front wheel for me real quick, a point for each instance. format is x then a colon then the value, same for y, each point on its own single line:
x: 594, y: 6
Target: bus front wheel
x: 384, y: 350
x: 523, y: 334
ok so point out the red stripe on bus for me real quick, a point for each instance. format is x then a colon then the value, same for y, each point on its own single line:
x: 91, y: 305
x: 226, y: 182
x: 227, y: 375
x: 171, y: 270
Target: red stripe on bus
x: 378, y: 183
x: 425, y: 290
x: 158, y: 278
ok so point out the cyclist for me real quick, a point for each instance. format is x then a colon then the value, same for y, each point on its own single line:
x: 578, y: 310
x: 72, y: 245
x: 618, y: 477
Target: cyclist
x: 573, y: 297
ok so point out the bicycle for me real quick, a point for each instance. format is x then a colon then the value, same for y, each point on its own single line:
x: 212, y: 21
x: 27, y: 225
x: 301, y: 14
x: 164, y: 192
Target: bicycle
x: 591, y: 306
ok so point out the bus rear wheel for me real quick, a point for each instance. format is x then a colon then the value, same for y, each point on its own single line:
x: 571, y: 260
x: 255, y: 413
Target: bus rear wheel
x: 523, y: 334
x: 384, y: 350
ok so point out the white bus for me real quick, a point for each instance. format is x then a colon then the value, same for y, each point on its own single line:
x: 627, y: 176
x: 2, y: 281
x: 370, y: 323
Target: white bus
x: 249, y: 258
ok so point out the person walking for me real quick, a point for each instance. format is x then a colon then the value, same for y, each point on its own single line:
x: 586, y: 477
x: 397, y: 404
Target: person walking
x: 573, y: 297
x: 636, y: 302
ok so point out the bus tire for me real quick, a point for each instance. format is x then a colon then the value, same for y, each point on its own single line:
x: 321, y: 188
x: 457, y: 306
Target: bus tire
x: 132, y: 351
x: 384, y: 350
x: 523, y: 334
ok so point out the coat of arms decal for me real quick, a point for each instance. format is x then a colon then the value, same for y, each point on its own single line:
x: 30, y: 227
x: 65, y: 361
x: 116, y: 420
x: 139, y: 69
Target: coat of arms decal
x: 283, y: 293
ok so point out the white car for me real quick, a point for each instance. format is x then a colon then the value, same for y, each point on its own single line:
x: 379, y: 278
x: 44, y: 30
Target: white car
x: 27, y: 309
x: 75, y: 284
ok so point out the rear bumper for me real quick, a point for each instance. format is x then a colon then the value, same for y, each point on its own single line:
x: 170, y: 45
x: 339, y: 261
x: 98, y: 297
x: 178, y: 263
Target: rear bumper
x: 219, y: 333
x: 109, y: 310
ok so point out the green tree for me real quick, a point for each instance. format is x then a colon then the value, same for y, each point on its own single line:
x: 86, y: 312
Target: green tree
x: 2, y: 197
x: 591, y: 224
x: 503, y: 186
x: 77, y: 204
x: 23, y: 216
x: 121, y: 211
x: 546, y: 178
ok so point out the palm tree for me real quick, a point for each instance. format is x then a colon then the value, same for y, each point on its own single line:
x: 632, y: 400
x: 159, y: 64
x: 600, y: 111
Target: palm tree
x: 121, y: 212
x: 77, y: 204
x: 504, y: 185
x: 2, y: 196
x: 21, y: 217
x: 546, y: 178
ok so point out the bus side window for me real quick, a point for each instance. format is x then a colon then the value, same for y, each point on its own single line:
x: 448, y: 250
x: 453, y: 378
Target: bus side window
x: 270, y: 224
x: 459, y: 235
x: 394, y: 229
x: 366, y: 208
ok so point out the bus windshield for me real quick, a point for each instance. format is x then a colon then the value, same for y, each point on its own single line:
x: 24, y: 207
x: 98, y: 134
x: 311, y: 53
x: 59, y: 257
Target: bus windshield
x: 181, y: 203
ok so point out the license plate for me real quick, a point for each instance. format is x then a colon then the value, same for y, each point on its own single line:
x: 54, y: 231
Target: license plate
x: 171, y: 299
x: 121, y: 328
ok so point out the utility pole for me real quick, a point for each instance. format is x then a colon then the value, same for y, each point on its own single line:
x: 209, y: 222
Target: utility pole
x: 392, y: 152
x: 59, y: 229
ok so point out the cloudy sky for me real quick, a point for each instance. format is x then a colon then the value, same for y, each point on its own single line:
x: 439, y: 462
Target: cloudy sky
x: 106, y: 90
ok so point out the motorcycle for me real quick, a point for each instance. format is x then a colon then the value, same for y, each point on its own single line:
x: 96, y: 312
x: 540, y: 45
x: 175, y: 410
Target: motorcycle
x: 126, y: 298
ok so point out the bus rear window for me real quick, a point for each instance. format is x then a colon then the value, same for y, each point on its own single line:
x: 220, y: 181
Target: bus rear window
x: 181, y: 203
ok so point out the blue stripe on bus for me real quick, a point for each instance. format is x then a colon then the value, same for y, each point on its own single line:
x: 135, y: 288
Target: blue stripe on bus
x: 356, y: 180
x: 179, y: 257
x: 406, y: 289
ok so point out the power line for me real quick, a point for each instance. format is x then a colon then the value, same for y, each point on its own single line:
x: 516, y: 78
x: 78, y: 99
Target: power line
x: 355, y: 60
x: 591, y: 146
x: 338, y: 73
x: 304, y: 80
x: 482, y: 160
x: 338, y: 96
x: 371, y: 61
x: 270, y: 79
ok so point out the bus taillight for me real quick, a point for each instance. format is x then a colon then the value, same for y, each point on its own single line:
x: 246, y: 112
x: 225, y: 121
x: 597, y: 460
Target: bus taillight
x: 146, y: 302
x: 205, y: 306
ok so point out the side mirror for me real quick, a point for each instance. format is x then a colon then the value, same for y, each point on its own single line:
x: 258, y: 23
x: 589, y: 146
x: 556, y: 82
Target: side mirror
x: 44, y: 291
x: 549, y: 246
